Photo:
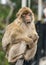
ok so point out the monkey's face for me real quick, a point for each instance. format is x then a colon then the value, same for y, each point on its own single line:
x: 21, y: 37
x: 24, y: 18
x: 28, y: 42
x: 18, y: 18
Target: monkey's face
x: 27, y: 17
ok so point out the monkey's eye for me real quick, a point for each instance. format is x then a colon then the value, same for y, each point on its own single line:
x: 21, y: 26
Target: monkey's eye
x: 30, y: 14
x: 25, y: 14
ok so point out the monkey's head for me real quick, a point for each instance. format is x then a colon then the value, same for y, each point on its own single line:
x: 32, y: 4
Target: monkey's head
x: 26, y: 14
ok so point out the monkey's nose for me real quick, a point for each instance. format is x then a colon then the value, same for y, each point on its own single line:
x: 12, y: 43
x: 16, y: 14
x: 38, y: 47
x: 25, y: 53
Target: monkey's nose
x: 27, y: 17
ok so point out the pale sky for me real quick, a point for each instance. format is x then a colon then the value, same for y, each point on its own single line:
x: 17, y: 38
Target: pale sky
x: 3, y: 1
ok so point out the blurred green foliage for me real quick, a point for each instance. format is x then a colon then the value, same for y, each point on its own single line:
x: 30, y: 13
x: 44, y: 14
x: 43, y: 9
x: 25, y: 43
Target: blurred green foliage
x: 4, y: 11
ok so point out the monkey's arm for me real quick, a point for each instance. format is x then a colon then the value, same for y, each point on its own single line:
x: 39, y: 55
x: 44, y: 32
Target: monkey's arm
x: 35, y: 37
x: 5, y: 40
x: 27, y: 39
x: 34, y: 34
x: 19, y: 38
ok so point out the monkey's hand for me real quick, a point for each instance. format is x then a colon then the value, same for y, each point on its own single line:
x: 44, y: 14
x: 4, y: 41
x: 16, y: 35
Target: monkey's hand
x: 25, y: 38
x: 34, y: 37
x: 28, y: 40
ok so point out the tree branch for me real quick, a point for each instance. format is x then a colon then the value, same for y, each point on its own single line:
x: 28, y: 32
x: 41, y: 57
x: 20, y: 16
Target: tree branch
x: 11, y: 5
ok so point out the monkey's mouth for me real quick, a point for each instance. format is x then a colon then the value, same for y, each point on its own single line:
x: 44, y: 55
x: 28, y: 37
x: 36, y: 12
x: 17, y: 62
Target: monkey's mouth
x: 28, y: 22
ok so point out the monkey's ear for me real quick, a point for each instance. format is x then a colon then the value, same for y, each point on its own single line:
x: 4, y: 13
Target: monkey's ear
x: 20, y: 12
x: 17, y: 14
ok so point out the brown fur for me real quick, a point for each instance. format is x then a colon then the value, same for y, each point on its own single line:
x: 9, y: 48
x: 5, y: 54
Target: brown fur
x: 20, y: 40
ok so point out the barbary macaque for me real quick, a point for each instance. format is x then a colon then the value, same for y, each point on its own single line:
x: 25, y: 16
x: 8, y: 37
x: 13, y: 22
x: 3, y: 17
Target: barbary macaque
x: 20, y: 38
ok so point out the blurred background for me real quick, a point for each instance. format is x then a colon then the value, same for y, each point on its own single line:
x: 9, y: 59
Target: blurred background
x: 8, y: 10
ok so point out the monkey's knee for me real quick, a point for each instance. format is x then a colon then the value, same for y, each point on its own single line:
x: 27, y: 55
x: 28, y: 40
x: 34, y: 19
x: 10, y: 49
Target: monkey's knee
x: 30, y: 53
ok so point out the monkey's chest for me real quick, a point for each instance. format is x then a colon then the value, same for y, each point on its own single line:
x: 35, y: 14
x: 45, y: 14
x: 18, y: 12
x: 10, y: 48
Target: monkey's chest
x: 27, y: 30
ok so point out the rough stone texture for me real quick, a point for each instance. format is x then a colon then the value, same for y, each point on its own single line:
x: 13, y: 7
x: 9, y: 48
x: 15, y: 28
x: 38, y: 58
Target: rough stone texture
x: 19, y: 62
